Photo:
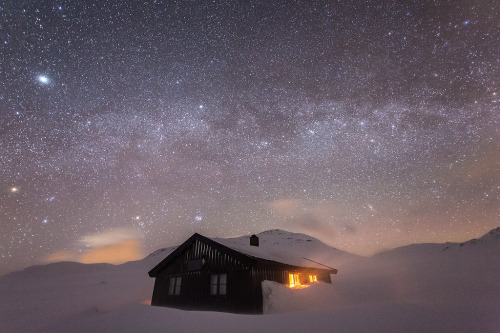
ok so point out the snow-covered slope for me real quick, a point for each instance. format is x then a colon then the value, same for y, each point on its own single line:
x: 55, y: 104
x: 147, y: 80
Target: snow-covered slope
x: 40, y: 296
x: 433, y: 273
x: 426, y: 287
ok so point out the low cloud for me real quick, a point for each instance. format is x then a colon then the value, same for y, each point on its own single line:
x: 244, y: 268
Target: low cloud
x: 114, y: 246
x: 305, y: 217
x: 123, y: 251
x: 60, y: 256
x: 110, y: 237
x: 287, y: 207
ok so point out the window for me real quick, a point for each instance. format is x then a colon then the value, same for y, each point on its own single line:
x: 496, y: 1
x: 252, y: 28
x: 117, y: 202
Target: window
x: 294, y: 280
x: 218, y: 284
x: 171, y: 286
x: 174, y: 286
x: 222, y: 284
x: 313, y: 278
x: 195, y: 264
x: 178, y: 281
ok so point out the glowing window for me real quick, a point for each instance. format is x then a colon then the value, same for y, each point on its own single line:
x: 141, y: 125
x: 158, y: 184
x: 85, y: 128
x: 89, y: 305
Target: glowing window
x: 294, y: 280
x: 313, y: 278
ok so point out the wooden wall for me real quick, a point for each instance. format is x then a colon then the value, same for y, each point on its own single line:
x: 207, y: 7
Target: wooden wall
x: 195, y: 287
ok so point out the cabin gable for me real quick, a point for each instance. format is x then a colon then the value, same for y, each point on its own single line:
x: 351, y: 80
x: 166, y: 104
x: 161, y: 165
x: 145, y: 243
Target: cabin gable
x: 202, y: 276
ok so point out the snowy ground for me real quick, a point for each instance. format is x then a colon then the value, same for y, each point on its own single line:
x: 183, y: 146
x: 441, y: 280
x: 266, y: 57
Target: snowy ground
x: 418, y: 288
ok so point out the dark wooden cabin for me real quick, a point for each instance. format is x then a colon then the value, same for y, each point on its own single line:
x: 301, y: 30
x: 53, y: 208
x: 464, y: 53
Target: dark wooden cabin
x: 203, y: 274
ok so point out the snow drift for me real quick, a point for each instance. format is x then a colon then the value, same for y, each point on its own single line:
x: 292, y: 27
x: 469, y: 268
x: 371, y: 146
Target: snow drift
x: 426, y: 287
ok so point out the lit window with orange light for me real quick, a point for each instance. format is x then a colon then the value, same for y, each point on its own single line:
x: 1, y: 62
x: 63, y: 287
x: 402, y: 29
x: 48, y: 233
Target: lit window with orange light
x: 294, y: 280
x: 313, y: 278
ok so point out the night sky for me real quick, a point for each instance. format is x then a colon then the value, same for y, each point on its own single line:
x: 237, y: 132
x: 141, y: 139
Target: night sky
x: 126, y: 126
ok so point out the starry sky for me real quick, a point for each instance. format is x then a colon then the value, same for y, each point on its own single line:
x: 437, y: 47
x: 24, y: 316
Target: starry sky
x: 126, y: 126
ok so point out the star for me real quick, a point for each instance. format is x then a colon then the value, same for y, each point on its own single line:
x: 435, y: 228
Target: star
x: 43, y: 79
x: 173, y: 122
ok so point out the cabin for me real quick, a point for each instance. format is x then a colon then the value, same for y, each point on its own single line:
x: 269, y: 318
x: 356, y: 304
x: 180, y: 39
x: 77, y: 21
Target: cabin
x: 221, y: 275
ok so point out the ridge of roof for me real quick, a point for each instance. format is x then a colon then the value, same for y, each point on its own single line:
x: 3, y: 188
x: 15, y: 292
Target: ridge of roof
x: 281, y: 257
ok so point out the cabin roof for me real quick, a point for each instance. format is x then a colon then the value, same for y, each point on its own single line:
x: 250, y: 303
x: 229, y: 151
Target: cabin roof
x: 276, y: 255
x: 250, y: 255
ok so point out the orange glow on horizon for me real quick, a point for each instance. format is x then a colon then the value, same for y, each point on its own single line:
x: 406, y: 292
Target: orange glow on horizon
x: 119, y: 253
x: 105, y: 249
x: 59, y: 256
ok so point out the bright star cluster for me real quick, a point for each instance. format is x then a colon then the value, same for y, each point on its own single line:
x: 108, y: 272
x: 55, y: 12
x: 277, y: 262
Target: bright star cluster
x: 367, y: 124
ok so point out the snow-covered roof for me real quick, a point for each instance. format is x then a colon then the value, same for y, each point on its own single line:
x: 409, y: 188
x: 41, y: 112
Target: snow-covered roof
x: 278, y: 253
x: 275, y: 245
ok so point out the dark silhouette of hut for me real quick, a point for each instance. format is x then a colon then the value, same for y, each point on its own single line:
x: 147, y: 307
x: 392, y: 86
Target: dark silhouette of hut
x: 203, y: 274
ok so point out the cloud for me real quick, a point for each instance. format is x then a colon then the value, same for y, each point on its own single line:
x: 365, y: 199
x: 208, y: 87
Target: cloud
x: 114, y: 246
x: 60, y: 256
x: 109, y: 237
x: 287, y: 207
x: 306, y: 217
x: 123, y: 251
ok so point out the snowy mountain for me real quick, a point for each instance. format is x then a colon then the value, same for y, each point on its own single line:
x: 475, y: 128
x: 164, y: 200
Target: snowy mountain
x: 489, y: 238
x: 447, y: 287
x: 438, y: 273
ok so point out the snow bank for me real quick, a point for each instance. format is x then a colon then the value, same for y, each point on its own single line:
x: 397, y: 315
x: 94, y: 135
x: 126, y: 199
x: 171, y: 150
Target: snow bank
x: 419, y: 288
x: 279, y: 298
x: 383, y: 317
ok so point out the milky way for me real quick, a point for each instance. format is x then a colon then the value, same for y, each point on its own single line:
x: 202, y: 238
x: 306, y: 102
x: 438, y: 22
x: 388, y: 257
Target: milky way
x: 368, y: 124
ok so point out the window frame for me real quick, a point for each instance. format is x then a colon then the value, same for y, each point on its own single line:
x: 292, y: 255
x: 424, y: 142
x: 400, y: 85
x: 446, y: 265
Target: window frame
x: 218, y: 284
x: 313, y: 278
x: 174, y: 285
x: 294, y: 280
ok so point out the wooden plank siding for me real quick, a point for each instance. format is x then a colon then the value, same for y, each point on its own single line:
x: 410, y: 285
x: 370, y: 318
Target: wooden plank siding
x: 244, y: 277
x: 195, y: 286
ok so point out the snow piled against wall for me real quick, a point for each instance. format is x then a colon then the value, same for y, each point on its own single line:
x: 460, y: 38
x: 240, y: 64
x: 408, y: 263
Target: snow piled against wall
x: 278, y: 298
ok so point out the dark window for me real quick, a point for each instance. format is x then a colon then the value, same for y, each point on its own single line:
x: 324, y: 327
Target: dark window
x: 174, y: 286
x: 195, y: 264
x: 218, y: 284
x: 214, y: 281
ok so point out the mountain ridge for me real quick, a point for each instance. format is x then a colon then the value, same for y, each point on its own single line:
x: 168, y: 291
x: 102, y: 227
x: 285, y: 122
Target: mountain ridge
x: 302, y: 244
x: 270, y: 235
